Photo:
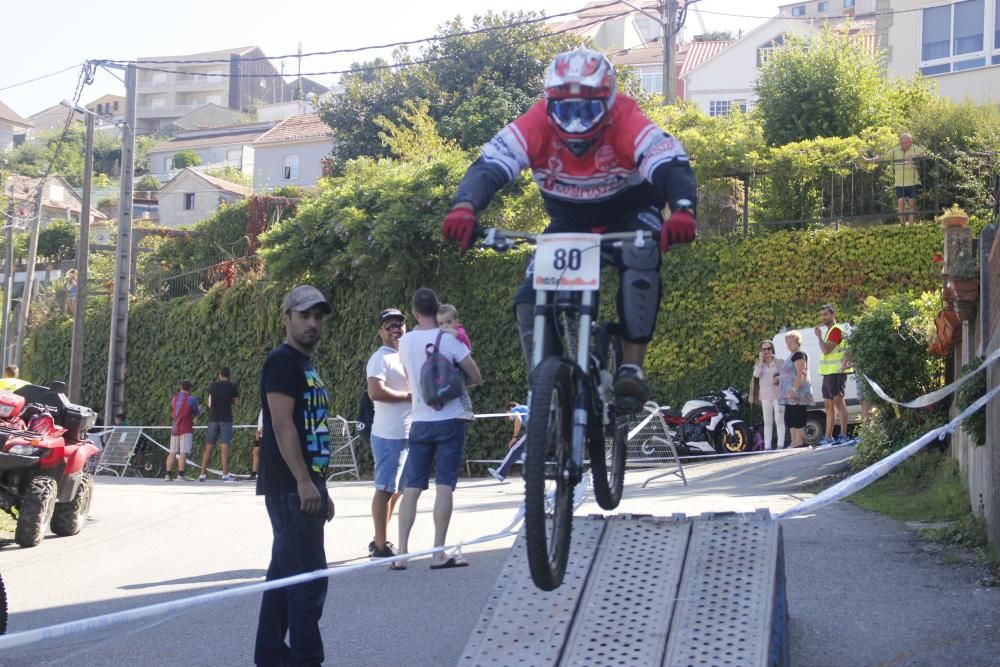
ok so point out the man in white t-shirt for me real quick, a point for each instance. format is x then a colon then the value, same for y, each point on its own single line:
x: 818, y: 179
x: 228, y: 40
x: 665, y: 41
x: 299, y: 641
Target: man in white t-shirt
x: 390, y: 393
x: 436, y: 435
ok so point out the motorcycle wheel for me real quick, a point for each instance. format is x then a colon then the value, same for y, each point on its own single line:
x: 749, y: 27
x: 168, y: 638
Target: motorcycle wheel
x: 608, y: 452
x: 36, y: 511
x: 69, y: 517
x: 548, y: 523
x: 738, y: 442
x: 149, y: 464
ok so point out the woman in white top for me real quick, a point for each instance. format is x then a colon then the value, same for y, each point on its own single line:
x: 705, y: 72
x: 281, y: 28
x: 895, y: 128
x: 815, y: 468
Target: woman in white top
x: 765, y: 389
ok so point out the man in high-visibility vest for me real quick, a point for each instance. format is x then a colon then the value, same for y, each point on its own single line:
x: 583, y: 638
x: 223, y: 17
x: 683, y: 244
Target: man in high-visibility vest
x: 10, y: 380
x: 832, y: 369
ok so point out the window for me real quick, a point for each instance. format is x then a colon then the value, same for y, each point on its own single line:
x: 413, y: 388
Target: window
x: 953, y: 37
x: 765, y: 50
x: 115, y: 107
x: 996, y: 33
x: 290, y: 168
x: 234, y: 156
x: 848, y: 3
x: 159, y: 78
x: 822, y: 6
x: 188, y: 201
x: 719, y: 107
x: 56, y: 192
x: 652, y: 79
x: 158, y: 103
x: 800, y: 10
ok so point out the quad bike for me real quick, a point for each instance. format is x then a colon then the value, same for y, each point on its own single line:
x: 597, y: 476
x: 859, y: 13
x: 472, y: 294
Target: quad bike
x: 43, y: 453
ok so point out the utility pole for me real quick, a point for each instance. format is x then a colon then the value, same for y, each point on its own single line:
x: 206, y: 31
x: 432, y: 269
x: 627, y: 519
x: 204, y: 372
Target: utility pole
x: 118, y: 345
x: 668, y: 8
x: 8, y: 286
x: 29, y: 275
x: 82, y: 264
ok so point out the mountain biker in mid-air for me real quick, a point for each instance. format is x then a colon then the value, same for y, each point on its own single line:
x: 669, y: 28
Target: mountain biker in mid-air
x: 601, y: 166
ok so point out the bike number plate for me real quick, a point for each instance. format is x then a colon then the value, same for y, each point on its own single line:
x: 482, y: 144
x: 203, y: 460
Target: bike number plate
x: 568, y: 262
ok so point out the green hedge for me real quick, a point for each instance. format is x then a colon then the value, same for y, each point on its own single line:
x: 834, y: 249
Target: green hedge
x: 721, y: 296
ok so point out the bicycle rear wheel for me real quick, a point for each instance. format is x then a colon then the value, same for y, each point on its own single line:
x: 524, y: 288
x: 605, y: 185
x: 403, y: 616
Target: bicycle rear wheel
x: 548, y: 478
x: 607, y: 447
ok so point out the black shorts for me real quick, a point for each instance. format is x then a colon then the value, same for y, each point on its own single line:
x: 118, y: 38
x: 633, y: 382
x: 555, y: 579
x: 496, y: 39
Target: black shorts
x: 907, y: 191
x: 795, y: 416
x: 834, y: 385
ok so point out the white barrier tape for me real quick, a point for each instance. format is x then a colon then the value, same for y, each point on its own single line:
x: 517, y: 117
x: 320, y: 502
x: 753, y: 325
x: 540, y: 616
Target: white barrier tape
x: 105, y: 621
x: 860, y: 480
x: 936, y: 395
x: 492, y: 415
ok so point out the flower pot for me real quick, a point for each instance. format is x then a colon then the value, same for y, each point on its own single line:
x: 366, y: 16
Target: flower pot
x: 955, y: 221
x: 964, y: 289
x: 966, y: 310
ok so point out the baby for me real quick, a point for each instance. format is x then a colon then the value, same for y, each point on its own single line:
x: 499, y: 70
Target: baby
x: 448, y: 322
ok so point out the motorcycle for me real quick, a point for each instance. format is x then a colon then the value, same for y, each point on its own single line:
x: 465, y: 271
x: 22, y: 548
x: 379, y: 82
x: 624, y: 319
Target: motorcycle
x: 44, y: 450
x: 710, y: 424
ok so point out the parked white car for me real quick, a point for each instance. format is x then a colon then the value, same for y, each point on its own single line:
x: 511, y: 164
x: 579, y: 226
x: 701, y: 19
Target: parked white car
x: 816, y: 416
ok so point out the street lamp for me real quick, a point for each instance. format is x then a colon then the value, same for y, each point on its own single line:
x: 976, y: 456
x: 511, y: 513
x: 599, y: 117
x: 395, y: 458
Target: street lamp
x: 82, y: 259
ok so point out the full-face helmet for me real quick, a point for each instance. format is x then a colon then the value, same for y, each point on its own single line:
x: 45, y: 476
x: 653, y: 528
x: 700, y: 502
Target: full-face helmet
x: 580, y: 91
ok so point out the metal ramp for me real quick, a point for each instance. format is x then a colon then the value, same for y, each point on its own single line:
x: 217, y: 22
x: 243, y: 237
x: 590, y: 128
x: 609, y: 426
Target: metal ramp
x: 640, y: 590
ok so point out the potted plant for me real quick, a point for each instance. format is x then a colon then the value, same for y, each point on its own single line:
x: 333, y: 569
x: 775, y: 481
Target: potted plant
x: 954, y: 216
x: 961, y: 284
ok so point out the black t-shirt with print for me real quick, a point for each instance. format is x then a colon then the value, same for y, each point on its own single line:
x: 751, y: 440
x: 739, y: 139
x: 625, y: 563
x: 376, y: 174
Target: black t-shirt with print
x: 222, y: 393
x: 287, y: 371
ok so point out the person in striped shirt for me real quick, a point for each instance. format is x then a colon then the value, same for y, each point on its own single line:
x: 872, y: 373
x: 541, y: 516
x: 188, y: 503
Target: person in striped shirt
x: 183, y: 409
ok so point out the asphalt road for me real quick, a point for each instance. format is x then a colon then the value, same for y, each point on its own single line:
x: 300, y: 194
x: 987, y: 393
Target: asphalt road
x: 863, y: 590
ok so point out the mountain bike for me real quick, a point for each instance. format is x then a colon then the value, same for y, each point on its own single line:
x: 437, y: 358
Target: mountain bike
x: 571, y: 399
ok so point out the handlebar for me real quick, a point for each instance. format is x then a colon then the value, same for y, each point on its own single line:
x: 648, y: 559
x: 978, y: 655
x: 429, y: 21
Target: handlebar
x: 501, y: 240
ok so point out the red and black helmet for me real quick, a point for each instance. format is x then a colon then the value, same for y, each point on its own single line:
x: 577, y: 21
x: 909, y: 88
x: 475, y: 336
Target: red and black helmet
x: 580, y: 90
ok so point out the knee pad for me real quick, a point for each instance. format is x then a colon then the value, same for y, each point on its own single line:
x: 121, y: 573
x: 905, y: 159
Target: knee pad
x: 639, y: 293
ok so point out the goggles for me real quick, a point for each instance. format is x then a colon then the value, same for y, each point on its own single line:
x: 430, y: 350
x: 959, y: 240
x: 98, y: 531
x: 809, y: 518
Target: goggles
x: 577, y: 116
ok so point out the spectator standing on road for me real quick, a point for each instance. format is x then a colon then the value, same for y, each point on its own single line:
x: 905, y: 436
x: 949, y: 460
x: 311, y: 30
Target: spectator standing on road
x: 294, y: 456
x: 833, y: 371
x: 515, y: 448
x: 448, y: 322
x: 183, y: 409
x: 390, y: 393
x: 765, y: 382
x: 223, y: 396
x: 12, y: 379
x: 903, y: 158
x: 436, y: 436
x: 794, y: 388
x: 255, y: 456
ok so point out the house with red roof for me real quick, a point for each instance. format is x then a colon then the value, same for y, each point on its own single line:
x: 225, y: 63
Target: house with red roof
x: 291, y: 153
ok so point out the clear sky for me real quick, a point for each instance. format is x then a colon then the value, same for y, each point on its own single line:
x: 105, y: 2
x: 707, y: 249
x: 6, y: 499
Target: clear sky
x: 49, y: 35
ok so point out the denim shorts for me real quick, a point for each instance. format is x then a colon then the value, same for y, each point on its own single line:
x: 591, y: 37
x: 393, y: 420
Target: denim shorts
x: 441, y: 443
x: 221, y: 432
x: 390, y: 459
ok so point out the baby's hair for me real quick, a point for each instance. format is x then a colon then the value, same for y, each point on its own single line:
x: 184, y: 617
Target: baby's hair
x: 448, y: 309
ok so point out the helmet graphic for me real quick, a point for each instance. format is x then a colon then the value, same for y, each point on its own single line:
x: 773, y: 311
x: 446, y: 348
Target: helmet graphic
x: 579, y: 92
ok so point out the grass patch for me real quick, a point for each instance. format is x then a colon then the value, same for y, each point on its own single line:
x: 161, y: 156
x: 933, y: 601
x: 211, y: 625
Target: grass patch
x: 927, y: 487
x: 7, y: 524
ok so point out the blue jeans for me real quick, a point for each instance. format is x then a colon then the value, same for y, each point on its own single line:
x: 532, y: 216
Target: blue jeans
x: 295, y: 610
x: 439, y: 443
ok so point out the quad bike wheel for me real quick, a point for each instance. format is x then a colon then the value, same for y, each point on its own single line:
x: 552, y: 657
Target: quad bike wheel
x: 69, y: 517
x: 36, y: 511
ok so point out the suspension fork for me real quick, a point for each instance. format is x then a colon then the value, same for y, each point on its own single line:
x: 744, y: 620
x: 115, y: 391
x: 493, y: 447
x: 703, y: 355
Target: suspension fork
x: 581, y: 397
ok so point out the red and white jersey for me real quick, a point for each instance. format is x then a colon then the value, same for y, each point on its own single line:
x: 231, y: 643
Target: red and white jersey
x: 624, y: 157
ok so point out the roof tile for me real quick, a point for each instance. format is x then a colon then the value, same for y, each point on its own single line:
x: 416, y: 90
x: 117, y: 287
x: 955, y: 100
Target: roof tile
x: 296, y: 128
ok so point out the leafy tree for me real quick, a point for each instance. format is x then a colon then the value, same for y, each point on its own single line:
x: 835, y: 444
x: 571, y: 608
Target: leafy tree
x: 186, y: 159
x: 474, y: 84
x: 829, y: 85
x: 58, y: 240
x: 714, y: 36
x: 231, y: 174
x: 148, y: 183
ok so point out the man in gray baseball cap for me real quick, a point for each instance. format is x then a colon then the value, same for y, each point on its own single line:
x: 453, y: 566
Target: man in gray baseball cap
x: 294, y: 456
x: 303, y: 298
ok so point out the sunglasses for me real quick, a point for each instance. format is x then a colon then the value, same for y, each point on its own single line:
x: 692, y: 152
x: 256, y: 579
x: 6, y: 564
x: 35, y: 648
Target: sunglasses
x: 767, y: 349
x: 394, y: 326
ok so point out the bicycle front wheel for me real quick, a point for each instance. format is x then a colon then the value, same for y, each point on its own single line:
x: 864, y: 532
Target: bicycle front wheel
x: 548, y: 473
x: 607, y: 446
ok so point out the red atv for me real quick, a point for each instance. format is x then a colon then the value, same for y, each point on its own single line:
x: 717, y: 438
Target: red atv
x: 43, y: 451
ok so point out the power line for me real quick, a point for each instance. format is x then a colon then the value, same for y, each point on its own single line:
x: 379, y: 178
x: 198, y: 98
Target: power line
x: 39, y: 78
x: 358, y: 49
x: 370, y: 68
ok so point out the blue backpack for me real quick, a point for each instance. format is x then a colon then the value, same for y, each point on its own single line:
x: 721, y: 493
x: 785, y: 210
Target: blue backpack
x: 440, y: 379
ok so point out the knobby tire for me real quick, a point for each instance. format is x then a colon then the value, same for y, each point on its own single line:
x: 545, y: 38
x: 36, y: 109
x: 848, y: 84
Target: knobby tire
x: 549, y: 449
x: 608, y: 480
